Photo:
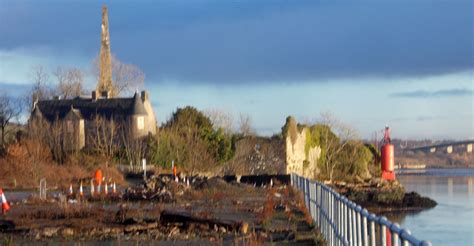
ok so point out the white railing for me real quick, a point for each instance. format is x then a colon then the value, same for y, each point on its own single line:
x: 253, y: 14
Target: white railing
x: 343, y: 222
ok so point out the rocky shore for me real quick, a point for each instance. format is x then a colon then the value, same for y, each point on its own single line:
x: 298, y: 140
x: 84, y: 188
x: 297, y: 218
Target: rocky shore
x: 380, y: 196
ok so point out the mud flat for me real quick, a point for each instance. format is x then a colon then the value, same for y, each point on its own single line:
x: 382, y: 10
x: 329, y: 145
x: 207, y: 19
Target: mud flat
x: 206, y: 211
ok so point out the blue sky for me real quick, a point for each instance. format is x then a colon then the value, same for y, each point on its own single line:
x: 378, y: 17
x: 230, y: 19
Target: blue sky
x: 408, y: 64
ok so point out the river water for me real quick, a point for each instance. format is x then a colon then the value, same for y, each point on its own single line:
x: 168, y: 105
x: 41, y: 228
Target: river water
x: 451, y: 222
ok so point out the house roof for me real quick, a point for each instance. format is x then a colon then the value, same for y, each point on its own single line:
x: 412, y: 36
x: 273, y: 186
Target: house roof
x: 88, y: 108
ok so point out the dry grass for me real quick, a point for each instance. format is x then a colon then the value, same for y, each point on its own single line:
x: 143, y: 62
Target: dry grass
x: 268, y: 208
x: 22, y: 168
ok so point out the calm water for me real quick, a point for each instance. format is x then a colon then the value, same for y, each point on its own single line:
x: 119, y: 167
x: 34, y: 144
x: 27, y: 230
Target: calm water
x: 452, y: 221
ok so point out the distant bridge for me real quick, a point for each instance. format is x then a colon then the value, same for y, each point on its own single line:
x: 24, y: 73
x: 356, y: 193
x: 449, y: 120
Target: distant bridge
x: 447, y: 147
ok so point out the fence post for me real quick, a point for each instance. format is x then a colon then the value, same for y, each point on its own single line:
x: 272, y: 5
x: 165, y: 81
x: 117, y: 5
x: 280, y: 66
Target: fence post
x: 343, y: 219
x: 364, y: 214
x: 331, y: 196
x: 349, y: 222
x: 403, y: 234
x: 308, y: 197
x: 372, y: 219
x: 354, y: 223
x: 42, y: 189
x: 383, y: 231
x: 337, y: 210
x: 395, y: 228
x: 316, y: 208
x: 359, y: 224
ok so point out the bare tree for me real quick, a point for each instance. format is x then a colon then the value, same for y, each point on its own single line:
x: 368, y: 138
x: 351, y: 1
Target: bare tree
x: 40, y: 80
x: 125, y: 77
x: 220, y: 119
x: 245, y: 125
x: 9, y: 110
x: 57, y: 141
x: 36, y: 145
x: 106, y: 137
x: 334, y: 138
x: 70, y: 82
x: 134, y: 148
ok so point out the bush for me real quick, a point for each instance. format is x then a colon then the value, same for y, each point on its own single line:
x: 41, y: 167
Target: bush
x: 189, y: 139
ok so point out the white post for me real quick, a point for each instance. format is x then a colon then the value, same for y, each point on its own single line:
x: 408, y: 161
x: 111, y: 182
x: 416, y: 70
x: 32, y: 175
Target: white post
x: 144, y: 168
x: 43, y: 189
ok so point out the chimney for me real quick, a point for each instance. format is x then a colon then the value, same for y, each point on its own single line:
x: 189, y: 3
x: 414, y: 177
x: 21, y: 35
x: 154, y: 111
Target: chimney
x: 94, y: 95
x: 105, y: 94
x: 145, y: 96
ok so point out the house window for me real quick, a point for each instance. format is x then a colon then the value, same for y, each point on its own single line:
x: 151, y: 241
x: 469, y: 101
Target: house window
x: 140, y: 123
x: 69, y: 126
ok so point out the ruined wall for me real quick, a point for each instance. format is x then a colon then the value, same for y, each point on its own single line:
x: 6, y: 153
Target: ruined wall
x: 296, y: 159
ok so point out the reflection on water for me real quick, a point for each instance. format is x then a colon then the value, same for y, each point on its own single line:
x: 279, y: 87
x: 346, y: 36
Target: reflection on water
x: 452, y: 221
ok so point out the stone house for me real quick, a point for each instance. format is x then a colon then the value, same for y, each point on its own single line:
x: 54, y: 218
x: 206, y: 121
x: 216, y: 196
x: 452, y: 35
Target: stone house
x: 78, y: 117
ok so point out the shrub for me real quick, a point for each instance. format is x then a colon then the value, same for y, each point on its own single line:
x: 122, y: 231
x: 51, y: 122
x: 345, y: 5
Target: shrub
x: 190, y: 139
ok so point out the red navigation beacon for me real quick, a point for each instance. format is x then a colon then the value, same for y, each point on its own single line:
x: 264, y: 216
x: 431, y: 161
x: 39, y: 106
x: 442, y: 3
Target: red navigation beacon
x: 388, y: 161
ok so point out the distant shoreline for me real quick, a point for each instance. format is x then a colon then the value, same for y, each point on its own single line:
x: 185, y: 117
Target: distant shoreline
x: 435, y: 171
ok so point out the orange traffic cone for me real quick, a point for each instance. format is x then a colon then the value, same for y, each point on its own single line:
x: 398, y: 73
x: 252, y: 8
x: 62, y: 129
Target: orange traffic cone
x: 5, y: 206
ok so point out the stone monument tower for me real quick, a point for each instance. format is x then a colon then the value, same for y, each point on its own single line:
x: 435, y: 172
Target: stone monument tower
x: 105, y: 79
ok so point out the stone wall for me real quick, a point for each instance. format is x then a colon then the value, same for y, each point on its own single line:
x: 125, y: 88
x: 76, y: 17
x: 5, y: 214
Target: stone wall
x: 296, y: 159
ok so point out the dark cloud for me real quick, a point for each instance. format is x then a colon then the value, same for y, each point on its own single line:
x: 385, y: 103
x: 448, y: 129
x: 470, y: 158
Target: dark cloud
x: 459, y: 92
x: 248, y: 41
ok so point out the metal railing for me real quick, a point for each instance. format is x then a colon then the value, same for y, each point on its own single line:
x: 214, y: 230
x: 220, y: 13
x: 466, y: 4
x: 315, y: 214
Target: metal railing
x: 343, y: 222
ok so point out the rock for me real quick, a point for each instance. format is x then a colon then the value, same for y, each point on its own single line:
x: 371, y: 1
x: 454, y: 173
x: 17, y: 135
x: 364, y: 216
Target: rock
x: 115, y: 230
x: 67, y: 232
x: 50, y: 231
x: 222, y: 229
x: 173, y: 231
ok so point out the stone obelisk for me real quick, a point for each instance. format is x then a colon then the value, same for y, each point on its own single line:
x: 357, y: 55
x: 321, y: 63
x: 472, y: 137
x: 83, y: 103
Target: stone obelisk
x: 105, y: 79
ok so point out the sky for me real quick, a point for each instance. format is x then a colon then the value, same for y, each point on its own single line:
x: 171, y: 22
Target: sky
x: 404, y: 63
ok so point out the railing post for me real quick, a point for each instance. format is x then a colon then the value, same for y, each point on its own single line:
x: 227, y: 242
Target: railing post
x: 343, y: 219
x: 317, y: 211
x: 383, y: 231
x: 337, y: 217
x: 321, y: 204
x: 354, y: 223
x: 372, y: 219
x: 359, y: 225
x: 364, y: 214
x: 403, y: 234
x: 333, y: 217
x: 394, y: 229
